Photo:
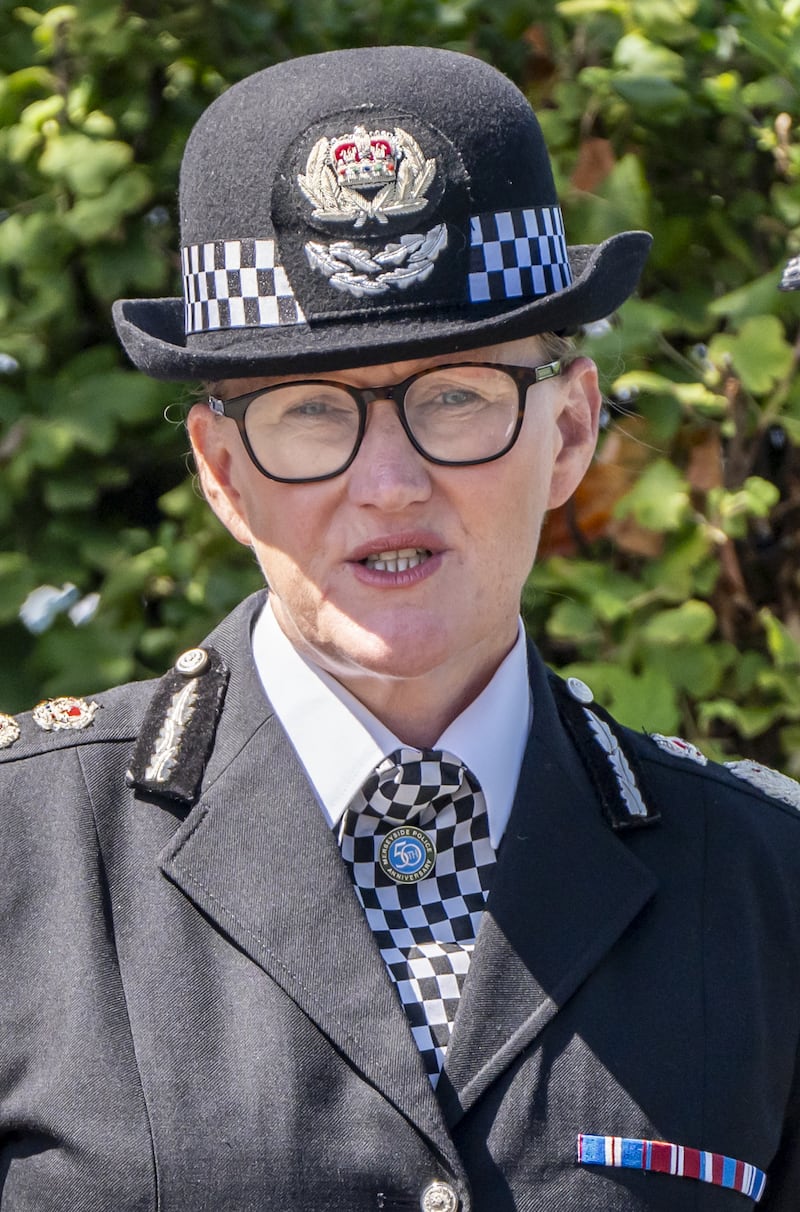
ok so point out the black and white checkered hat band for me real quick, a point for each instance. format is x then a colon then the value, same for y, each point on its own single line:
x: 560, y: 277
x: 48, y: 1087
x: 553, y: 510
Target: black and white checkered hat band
x: 518, y: 254
x: 239, y: 284
x: 236, y: 284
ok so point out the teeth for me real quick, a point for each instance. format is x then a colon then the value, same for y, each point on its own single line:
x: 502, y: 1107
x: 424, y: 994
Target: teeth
x: 398, y: 560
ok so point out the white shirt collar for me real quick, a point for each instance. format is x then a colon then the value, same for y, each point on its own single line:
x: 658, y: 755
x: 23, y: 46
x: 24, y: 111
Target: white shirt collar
x: 339, y: 741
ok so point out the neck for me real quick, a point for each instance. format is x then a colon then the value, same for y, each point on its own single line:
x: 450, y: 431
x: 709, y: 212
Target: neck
x: 416, y: 708
x: 417, y: 714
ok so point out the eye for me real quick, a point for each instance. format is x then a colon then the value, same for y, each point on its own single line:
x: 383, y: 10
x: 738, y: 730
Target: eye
x: 457, y: 397
x: 451, y: 400
x: 313, y: 404
x: 312, y: 408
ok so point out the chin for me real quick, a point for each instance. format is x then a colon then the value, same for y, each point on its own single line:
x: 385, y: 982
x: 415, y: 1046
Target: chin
x: 401, y: 645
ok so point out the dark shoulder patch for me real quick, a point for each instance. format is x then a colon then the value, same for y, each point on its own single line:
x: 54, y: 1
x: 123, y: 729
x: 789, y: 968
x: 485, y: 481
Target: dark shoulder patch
x: 609, y: 761
x: 178, y: 729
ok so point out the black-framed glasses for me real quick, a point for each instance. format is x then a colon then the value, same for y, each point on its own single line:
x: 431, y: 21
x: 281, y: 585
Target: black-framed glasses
x: 455, y: 415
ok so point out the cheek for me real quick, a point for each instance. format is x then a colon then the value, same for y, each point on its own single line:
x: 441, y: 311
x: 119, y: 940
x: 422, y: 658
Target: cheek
x: 288, y: 533
x: 507, y: 516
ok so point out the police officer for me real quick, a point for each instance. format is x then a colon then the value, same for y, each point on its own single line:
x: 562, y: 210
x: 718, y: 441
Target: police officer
x: 360, y: 908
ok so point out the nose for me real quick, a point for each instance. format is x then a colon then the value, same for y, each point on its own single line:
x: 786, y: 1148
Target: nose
x: 387, y: 472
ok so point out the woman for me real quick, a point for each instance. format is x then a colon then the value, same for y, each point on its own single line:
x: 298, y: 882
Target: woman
x: 359, y: 908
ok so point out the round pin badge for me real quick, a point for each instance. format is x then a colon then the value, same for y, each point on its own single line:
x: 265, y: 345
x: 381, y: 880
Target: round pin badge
x: 580, y: 691
x: 65, y: 712
x: 192, y: 662
x: 407, y: 855
x: 9, y: 731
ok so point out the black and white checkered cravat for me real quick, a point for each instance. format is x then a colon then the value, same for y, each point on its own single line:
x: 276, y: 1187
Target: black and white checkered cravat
x: 416, y: 840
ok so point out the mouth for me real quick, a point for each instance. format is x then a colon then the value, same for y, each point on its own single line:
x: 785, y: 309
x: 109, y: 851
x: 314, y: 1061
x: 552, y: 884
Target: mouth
x: 397, y: 560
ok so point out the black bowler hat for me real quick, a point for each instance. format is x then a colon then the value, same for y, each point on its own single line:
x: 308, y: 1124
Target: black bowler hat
x: 364, y: 206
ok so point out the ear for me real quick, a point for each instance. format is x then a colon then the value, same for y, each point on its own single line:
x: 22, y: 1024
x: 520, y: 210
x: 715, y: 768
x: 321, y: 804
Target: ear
x: 577, y: 421
x: 212, y: 438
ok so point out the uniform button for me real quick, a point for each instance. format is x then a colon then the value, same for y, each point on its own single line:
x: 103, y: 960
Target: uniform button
x: 579, y: 690
x: 438, y: 1197
x: 192, y: 662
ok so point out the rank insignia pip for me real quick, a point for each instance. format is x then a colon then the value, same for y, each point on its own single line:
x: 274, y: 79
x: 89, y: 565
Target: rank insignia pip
x: 771, y: 782
x: 9, y: 731
x: 53, y: 715
x: 680, y: 747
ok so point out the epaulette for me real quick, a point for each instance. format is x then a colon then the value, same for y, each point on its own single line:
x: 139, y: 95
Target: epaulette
x: 609, y: 761
x: 178, y: 729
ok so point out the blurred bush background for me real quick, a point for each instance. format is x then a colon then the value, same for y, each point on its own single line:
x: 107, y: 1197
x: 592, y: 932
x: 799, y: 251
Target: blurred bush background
x: 671, y: 584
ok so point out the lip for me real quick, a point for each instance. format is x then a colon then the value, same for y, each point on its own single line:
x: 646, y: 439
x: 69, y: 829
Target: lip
x: 423, y: 539
x: 397, y: 542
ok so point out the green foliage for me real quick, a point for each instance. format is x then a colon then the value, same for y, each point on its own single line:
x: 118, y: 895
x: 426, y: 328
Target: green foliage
x: 681, y: 606
x: 675, y: 590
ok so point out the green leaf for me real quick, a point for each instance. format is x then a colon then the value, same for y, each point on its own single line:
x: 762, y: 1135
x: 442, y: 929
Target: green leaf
x: 784, y: 648
x: 747, y: 671
x: 755, y: 298
x: 733, y: 511
x: 659, y: 500
x: 652, y: 96
x: 65, y: 493
x: 677, y: 574
x: 694, y: 395
x: 571, y: 621
x: 690, y: 623
x: 37, y: 113
x: 748, y: 720
x: 724, y: 91
x: 137, y: 267
x: 641, y: 57
x: 759, y: 353
x: 578, y: 9
x: 85, y: 165
x: 96, y: 218
x: 693, y: 669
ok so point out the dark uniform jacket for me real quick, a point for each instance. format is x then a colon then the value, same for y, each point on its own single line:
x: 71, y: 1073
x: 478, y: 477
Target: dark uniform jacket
x: 194, y: 1016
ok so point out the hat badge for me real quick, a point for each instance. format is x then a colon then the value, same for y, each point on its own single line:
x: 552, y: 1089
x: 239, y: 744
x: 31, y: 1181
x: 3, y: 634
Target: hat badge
x: 366, y: 175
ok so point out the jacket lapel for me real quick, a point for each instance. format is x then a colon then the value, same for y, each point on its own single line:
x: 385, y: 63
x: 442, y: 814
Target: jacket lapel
x: 565, y: 888
x: 256, y: 857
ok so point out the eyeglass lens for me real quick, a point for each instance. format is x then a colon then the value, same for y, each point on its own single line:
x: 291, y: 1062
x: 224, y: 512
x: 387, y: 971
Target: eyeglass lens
x: 458, y: 414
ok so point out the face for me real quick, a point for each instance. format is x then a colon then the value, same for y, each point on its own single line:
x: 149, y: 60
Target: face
x: 469, y: 533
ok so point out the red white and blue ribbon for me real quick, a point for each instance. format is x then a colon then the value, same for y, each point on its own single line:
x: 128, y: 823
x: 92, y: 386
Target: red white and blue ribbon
x: 663, y: 1158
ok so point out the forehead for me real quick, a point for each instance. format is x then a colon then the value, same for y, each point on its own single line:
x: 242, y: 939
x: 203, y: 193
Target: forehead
x: 525, y: 352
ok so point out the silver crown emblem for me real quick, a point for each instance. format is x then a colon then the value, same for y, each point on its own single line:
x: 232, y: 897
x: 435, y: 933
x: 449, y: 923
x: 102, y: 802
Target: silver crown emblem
x: 365, y: 160
x: 365, y: 175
